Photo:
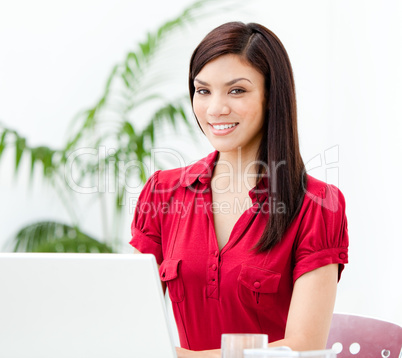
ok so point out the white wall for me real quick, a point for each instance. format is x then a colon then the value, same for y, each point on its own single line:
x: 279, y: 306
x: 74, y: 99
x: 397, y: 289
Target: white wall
x: 347, y: 59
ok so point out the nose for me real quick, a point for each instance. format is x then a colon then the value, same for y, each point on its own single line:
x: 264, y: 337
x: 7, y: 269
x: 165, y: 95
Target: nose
x: 218, y: 107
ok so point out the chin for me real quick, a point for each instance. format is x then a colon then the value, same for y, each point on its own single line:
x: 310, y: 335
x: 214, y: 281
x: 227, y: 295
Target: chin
x: 224, y: 147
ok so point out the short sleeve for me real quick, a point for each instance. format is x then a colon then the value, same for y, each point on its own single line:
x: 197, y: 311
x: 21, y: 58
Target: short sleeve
x: 322, y: 237
x: 146, y: 228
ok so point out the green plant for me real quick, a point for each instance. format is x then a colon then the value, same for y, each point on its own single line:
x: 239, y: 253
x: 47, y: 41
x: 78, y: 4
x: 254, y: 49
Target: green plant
x: 112, y: 124
x: 50, y: 236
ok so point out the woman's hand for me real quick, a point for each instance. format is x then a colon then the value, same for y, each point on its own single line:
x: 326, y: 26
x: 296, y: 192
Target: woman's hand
x: 185, y: 353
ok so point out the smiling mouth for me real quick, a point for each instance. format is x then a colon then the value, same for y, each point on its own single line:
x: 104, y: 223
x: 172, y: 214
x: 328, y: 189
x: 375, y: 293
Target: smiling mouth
x: 220, y: 127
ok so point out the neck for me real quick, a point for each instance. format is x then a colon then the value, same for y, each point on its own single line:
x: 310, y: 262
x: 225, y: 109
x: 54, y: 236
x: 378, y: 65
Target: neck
x: 239, y: 167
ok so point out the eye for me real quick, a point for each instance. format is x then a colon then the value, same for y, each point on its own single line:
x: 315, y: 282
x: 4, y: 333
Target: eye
x: 237, y: 91
x: 202, y: 91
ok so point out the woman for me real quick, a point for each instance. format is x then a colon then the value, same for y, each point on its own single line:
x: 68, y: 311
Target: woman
x: 246, y: 241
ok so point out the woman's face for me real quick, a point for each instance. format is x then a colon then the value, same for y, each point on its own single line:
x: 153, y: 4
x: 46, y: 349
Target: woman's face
x: 229, y: 103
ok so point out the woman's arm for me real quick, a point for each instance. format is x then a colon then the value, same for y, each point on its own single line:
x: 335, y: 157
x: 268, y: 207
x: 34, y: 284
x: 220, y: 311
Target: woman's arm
x: 310, y: 311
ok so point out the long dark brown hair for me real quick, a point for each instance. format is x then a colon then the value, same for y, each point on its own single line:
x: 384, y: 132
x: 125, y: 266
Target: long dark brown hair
x: 279, y: 148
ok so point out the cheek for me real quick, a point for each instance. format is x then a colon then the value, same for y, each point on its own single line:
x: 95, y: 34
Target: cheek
x: 259, y: 116
x: 199, y: 110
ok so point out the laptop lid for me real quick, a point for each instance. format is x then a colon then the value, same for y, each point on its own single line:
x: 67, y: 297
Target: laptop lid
x: 82, y: 306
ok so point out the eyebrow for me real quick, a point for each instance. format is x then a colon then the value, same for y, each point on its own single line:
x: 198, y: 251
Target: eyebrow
x: 232, y: 82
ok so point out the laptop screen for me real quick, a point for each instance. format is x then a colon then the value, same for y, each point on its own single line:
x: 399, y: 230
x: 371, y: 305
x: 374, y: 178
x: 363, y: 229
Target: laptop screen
x: 82, y: 306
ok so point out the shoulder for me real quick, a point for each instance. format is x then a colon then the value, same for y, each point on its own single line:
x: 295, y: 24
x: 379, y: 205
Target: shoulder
x: 317, y: 187
x: 326, y: 195
x: 169, y: 177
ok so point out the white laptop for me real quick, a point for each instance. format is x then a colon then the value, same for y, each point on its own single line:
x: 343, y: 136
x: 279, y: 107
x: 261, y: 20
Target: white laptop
x: 82, y: 306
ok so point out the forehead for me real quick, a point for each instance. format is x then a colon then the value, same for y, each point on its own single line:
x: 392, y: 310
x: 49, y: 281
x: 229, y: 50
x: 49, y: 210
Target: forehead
x: 227, y: 67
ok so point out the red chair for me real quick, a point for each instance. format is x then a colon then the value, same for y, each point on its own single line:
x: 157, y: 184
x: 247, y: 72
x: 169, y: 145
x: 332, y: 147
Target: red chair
x: 358, y: 336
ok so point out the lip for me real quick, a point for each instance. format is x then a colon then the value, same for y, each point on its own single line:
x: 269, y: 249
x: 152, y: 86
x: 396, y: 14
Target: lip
x: 222, y: 132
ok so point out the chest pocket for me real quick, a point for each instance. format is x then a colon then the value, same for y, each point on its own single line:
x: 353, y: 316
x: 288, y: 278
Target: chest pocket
x: 257, y: 287
x: 169, y: 272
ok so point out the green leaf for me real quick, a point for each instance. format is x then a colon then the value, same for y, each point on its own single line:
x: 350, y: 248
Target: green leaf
x: 132, y: 56
x: 151, y: 131
x: 3, y: 141
x: 125, y: 80
x: 75, y: 245
x: 128, y: 129
x: 129, y: 72
x: 33, y: 161
x: 20, y: 145
x: 44, y: 155
x: 110, y: 78
x: 145, y: 48
x: 50, y: 236
x: 120, y: 198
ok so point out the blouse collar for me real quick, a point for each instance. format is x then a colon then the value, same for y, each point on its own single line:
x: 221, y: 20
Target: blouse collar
x: 203, y: 169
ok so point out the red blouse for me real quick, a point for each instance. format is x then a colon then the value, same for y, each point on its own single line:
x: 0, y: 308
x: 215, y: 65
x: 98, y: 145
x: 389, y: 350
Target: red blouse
x: 235, y: 290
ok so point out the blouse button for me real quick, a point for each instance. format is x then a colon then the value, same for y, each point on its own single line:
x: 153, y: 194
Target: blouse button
x: 213, y: 267
x: 216, y: 253
x: 257, y: 284
x: 342, y: 255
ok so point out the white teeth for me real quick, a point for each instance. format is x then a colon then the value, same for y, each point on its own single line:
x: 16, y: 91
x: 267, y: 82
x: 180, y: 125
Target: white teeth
x: 224, y: 126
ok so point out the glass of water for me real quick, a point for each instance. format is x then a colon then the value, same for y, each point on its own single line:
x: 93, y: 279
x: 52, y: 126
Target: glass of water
x: 232, y: 345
